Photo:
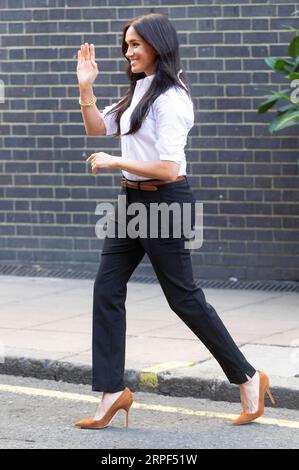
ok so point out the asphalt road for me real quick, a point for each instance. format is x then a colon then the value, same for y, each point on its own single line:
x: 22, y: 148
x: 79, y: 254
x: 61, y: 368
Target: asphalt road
x: 40, y: 414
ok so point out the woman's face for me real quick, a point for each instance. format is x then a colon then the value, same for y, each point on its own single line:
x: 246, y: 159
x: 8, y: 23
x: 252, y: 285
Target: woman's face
x: 140, y: 54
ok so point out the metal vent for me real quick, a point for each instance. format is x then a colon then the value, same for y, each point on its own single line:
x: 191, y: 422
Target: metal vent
x: 43, y: 271
x: 75, y: 273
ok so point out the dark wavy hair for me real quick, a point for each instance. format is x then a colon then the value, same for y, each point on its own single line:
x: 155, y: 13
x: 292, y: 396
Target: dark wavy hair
x: 157, y: 30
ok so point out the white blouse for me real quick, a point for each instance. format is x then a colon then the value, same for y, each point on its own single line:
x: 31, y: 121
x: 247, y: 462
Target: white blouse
x: 163, y: 133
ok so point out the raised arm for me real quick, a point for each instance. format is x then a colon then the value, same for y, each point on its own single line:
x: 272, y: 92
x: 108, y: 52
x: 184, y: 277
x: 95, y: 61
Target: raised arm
x: 87, y: 71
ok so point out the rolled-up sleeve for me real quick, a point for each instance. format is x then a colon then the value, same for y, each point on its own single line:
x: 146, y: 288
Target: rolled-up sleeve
x: 174, y: 118
x: 109, y: 119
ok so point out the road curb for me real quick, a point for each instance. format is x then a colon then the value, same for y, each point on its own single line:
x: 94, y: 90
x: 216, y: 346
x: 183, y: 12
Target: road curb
x: 164, y: 383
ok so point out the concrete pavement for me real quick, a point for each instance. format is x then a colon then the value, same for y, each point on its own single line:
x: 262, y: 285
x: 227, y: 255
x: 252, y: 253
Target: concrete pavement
x: 45, y: 332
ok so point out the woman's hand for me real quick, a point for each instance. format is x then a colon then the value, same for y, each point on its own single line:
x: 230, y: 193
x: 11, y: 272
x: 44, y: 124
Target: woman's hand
x: 87, y: 69
x: 101, y: 160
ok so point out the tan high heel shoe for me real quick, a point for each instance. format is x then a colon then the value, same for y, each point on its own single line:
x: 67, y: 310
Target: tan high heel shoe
x: 123, y: 402
x: 245, y: 418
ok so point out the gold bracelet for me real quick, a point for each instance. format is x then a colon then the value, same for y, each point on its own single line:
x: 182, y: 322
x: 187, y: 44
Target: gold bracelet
x: 88, y: 103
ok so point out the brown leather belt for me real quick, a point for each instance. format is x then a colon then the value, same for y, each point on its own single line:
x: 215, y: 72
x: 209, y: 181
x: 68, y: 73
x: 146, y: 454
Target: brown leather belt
x: 150, y: 185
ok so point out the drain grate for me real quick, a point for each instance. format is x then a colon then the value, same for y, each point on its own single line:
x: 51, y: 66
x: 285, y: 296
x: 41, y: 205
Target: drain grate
x: 76, y: 273
x: 268, y: 285
x: 44, y: 271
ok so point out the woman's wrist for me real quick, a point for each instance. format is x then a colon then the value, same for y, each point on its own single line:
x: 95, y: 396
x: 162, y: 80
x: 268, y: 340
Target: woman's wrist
x: 87, y: 87
x: 115, y: 163
x: 86, y: 93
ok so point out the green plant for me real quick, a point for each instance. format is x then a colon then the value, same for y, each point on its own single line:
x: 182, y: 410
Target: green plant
x: 288, y: 113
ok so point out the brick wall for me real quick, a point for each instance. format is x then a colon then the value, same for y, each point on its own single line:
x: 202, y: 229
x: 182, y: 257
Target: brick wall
x: 247, y: 179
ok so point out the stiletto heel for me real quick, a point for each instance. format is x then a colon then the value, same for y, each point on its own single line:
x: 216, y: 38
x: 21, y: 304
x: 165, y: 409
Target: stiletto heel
x: 127, y: 418
x: 123, y: 402
x: 271, y: 396
x: 244, y: 417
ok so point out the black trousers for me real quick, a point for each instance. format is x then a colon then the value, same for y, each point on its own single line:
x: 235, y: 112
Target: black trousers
x: 172, y: 264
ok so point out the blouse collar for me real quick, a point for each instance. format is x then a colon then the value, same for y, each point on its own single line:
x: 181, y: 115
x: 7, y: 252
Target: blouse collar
x: 149, y: 78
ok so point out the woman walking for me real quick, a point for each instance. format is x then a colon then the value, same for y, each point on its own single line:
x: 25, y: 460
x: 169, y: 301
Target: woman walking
x: 153, y: 120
